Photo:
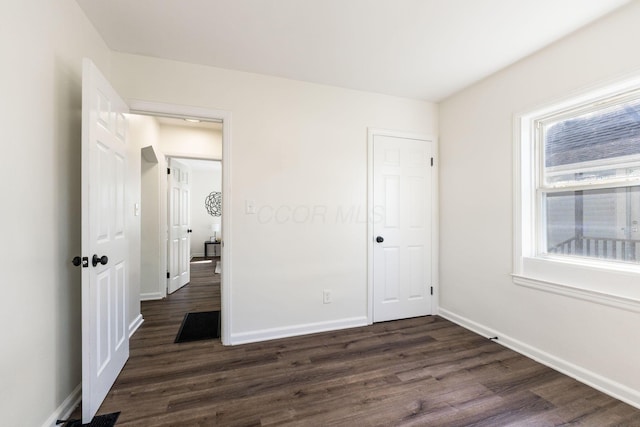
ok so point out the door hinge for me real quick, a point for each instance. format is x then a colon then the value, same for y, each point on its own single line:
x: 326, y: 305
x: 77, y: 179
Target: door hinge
x: 168, y: 275
x: 432, y: 290
x: 168, y: 171
x: 432, y: 161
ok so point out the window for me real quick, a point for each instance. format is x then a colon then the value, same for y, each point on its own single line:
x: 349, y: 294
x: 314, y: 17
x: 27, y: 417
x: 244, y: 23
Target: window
x: 577, y: 201
x: 589, y: 169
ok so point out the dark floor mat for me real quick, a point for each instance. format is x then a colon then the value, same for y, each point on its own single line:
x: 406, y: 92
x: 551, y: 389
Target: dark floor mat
x: 199, y: 326
x: 107, y: 420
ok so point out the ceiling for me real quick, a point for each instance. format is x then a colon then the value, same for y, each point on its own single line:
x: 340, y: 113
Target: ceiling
x: 423, y: 49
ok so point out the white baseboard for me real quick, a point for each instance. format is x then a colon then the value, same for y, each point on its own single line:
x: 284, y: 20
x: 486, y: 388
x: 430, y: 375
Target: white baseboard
x: 151, y: 296
x: 65, y: 409
x: 605, y: 385
x: 292, y: 331
x: 133, y: 327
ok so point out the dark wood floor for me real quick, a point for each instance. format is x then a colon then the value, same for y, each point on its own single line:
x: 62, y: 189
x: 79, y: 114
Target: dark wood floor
x: 417, y: 372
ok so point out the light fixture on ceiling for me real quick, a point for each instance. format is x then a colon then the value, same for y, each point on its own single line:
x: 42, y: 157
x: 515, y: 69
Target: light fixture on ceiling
x: 192, y: 120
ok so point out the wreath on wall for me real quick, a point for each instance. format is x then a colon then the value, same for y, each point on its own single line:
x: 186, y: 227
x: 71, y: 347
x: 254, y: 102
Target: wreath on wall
x: 213, y: 203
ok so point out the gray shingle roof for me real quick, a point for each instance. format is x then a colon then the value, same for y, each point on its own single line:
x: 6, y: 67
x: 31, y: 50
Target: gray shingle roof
x: 613, y: 133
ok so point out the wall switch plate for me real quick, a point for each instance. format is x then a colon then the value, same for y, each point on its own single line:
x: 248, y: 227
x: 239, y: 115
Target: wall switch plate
x: 250, y: 207
x: 326, y: 296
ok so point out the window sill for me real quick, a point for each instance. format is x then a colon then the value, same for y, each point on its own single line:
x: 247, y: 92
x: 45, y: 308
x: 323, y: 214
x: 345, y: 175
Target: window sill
x: 594, y: 264
x: 616, y: 301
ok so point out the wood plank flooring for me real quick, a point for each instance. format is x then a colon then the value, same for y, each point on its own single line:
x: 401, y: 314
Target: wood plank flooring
x: 416, y: 372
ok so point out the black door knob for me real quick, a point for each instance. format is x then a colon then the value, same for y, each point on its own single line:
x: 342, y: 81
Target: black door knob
x: 379, y: 239
x: 99, y: 260
x: 76, y: 261
x: 189, y: 231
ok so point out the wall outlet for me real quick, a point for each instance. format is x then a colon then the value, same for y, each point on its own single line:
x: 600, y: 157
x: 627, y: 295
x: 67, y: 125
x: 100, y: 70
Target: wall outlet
x: 326, y: 296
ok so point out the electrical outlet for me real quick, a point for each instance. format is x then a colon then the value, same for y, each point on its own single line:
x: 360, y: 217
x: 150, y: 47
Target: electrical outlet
x: 326, y: 296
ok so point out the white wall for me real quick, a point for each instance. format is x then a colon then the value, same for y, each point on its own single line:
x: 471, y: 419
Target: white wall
x: 133, y: 209
x: 183, y: 141
x: 204, y: 181
x: 144, y: 131
x: 297, y: 146
x: 42, y: 45
x: 595, y: 342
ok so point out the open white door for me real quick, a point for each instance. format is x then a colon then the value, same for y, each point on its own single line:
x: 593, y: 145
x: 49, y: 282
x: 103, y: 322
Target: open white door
x: 401, y: 227
x: 179, y: 250
x: 105, y: 339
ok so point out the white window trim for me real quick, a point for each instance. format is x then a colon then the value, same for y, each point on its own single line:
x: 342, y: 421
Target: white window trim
x: 612, y: 284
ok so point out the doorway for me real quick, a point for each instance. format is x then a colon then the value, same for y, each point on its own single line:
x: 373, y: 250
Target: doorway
x: 203, y: 117
x: 194, y: 215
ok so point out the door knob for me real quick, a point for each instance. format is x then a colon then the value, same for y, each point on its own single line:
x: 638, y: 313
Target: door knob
x: 99, y: 260
x: 189, y: 231
x: 379, y: 239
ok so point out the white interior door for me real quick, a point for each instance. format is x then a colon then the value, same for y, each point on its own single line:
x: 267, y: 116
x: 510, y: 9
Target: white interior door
x: 105, y: 339
x: 401, y: 227
x: 179, y: 250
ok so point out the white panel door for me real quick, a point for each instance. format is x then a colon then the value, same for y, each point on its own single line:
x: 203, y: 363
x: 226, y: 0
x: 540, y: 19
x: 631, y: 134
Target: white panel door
x: 179, y: 250
x: 105, y: 338
x: 401, y: 227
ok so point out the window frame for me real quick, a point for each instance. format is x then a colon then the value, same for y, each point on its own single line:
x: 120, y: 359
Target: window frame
x: 606, y: 282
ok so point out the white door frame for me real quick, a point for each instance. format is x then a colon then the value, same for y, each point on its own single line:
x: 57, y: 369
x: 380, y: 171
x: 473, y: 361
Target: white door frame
x: 183, y: 111
x: 371, y: 132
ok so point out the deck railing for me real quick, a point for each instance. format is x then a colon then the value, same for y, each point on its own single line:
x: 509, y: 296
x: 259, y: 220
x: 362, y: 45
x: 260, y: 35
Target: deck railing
x: 599, y: 247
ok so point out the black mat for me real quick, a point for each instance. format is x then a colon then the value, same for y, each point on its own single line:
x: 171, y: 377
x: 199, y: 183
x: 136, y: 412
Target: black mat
x: 107, y: 420
x: 199, y: 326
